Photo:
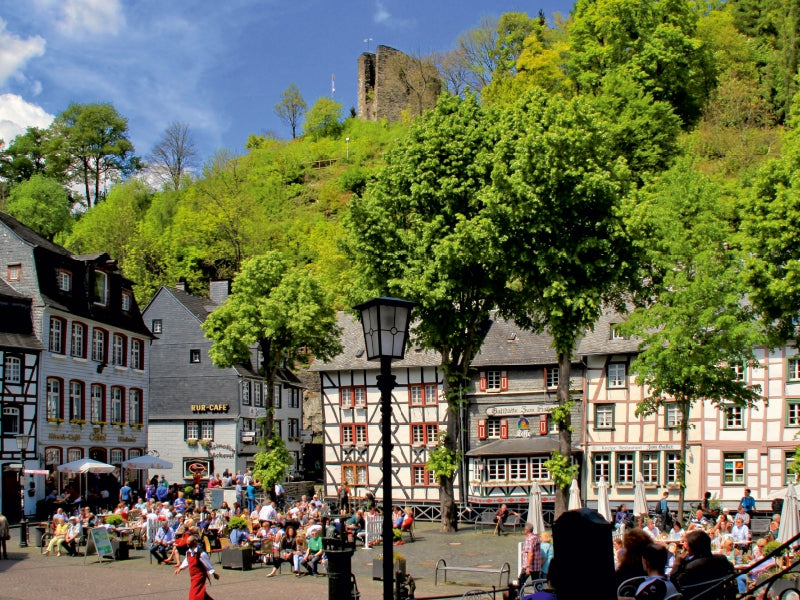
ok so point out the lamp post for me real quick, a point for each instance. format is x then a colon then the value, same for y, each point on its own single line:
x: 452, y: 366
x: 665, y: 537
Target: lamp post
x: 347, y: 144
x: 385, y: 323
x: 22, y: 446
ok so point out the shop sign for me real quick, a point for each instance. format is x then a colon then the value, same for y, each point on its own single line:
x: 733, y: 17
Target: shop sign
x: 519, y: 410
x: 210, y: 408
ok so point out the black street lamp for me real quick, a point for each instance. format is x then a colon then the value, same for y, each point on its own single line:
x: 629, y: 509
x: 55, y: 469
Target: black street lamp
x: 385, y: 322
x: 22, y: 445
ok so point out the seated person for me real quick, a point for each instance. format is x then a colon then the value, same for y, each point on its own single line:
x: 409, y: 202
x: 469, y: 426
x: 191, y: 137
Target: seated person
x: 622, y: 517
x: 356, y: 523
x: 314, y: 553
x: 656, y: 586
x: 698, y: 565
x: 500, y: 518
x: 287, y: 547
x: 73, y: 535
x: 699, y: 521
x: 240, y: 536
x: 740, y: 532
x: 61, y: 527
x: 163, y: 542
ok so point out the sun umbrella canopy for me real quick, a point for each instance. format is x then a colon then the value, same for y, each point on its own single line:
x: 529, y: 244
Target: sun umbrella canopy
x: 789, y: 520
x: 603, y: 506
x: 574, y: 496
x: 86, y: 465
x: 535, y: 516
x: 145, y: 462
x: 639, y: 497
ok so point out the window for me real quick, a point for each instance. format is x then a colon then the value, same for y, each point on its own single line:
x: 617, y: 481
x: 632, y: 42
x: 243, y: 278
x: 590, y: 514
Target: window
x: 493, y: 381
x: 135, y: 407
x: 538, y: 471
x: 11, y: 420
x: 793, y: 369
x: 616, y: 375
x: 120, y: 346
x: 98, y: 403
x: 76, y: 400
x: 77, y: 346
x: 14, y: 272
x: 194, y: 357
x: 424, y: 434
x: 12, y: 369
x: 604, y: 416
x: 117, y: 456
x: 246, y: 393
x: 739, y: 371
x: 52, y: 458
x: 99, y: 345
x: 423, y: 394
x: 353, y: 475
x: 650, y: 467
x: 155, y: 326
x: 258, y: 389
x: 56, y: 342
x: 793, y: 412
x: 789, y: 475
x: 601, y: 464
x: 192, y: 430
x: 207, y: 429
x: 496, y: 469
x: 277, y: 427
x: 74, y: 454
x: 295, y: 394
x: 673, y: 468
x: 625, y: 468
x: 277, y: 401
x: 733, y: 416
x: 117, y: 405
x: 127, y: 301
x: 64, y: 280
x: 353, y: 433
x: 518, y: 469
x: 54, y: 399
x: 672, y: 415
x: 353, y: 397
x: 101, y: 288
x: 422, y: 476
x: 733, y: 468
x: 493, y: 428
x: 294, y: 429
x: 551, y: 377
x: 615, y: 332
x: 137, y: 355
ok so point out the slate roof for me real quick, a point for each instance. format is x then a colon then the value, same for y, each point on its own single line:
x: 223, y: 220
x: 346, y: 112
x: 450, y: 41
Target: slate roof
x: 16, y: 323
x: 516, y: 447
x: 30, y: 236
x: 199, y: 306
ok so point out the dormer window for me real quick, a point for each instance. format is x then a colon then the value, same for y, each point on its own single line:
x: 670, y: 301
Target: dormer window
x: 127, y: 300
x: 14, y: 272
x: 101, y: 288
x: 64, y: 279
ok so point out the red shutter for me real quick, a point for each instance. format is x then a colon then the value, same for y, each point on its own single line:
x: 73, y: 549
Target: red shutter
x: 481, y: 429
x: 504, y: 429
x: 503, y: 380
x: 482, y: 384
x: 542, y: 424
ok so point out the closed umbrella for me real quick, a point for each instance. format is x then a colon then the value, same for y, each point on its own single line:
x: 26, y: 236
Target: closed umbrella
x: 603, y: 506
x: 146, y: 461
x: 639, y: 497
x: 789, y: 521
x: 574, y: 496
x: 535, y: 516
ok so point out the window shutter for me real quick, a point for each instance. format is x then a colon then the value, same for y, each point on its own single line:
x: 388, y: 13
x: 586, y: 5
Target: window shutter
x: 542, y: 424
x: 504, y: 429
x: 482, y: 384
x: 481, y: 429
x: 503, y: 380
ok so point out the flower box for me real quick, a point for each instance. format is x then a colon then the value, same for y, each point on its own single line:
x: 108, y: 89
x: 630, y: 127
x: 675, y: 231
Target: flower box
x: 237, y: 557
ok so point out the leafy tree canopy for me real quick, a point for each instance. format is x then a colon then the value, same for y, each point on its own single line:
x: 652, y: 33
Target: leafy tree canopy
x: 324, y: 119
x: 43, y: 205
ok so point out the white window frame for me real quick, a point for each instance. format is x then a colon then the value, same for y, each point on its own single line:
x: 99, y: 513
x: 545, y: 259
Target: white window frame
x: 604, y: 416
x: 732, y: 472
x: 192, y: 430
x: 97, y: 412
x: 672, y: 415
x: 12, y: 369
x: 207, y: 429
x: 117, y: 404
x: 518, y: 469
x: 601, y: 466
x: 733, y: 416
x: 537, y: 469
x: 673, y: 463
x: 493, y: 379
x: 793, y: 412
x: 101, y: 288
x: 77, y: 344
x: 134, y: 406
x: 493, y: 428
x: 649, y: 463
x: 53, y: 398
x: 12, y: 419
x: 136, y: 354
x: 76, y: 399
x: 793, y: 368
x: 495, y: 469
x: 617, y: 375
x: 118, y: 350
x: 99, y: 345
x: 56, y: 339
x: 64, y: 280
x: 625, y: 468
x: 552, y: 378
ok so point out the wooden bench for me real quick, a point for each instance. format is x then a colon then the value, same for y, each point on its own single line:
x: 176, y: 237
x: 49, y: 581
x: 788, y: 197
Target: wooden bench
x: 442, y: 566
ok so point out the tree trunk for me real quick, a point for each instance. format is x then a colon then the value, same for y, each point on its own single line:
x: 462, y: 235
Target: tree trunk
x: 268, y: 369
x: 447, y: 499
x: 564, y: 434
x: 684, y: 408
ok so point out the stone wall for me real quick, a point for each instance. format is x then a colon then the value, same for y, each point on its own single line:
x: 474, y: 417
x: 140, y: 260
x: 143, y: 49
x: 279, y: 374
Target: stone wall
x: 390, y: 82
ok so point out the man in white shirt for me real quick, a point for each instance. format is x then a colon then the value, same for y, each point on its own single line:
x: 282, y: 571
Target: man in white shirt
x: 200, y: 568
x: 740, y: 532
x: 74, y: 532
x: 652, y: 530
x: 268, y: 513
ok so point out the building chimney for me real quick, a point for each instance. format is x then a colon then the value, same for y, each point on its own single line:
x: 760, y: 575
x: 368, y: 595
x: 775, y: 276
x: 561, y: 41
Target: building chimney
x: 181, y: 285
x: 218, y: 290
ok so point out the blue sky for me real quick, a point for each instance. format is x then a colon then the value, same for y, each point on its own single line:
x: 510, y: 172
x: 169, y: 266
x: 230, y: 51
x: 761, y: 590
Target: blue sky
x: 218, y: 65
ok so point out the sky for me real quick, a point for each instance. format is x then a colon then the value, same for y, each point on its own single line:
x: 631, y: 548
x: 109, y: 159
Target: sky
x: 218, y: 65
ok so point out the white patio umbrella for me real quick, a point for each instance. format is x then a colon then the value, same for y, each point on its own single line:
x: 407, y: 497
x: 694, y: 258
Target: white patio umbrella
x: 574, y: 496
x: 86, y: 465
x: 639, y: 497
x: 535, y: 516
x: 789, y: 520
x: 145, y: 462
x: 603, y: 506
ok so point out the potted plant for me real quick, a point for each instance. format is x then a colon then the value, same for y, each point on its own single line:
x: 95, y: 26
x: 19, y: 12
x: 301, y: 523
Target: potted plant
x: 399, y: 566
x: 192, y: 441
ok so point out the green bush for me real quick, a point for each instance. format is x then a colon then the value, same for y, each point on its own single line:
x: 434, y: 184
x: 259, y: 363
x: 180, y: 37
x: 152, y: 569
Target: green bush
x: 236, y: 523
x: 115, y: 520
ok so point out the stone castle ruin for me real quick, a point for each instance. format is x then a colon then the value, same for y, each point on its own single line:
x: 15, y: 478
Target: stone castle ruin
x: 390, y: 82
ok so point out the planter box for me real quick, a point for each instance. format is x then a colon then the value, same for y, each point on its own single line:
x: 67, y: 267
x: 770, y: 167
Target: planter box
x: 237, y: 558
x: 377, y: 568
x: 121, y: 551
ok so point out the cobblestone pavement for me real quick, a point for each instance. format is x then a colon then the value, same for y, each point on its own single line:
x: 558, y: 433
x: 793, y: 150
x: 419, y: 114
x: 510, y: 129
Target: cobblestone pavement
x: 28, y: 575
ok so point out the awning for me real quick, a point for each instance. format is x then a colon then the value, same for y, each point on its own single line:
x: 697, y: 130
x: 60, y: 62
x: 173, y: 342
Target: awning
x: 516, y: 447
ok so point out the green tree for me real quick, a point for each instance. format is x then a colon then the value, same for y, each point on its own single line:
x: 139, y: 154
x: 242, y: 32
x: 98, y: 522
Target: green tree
x: 420, y: 233
x: 557, y: 185
x: 272, y: 463
x: 278, y: 308
x: 95, y: 136
x: 43, y: 205
x: 174, y: 155
x: 291, y: 108
x: 693, y: 319
x: 32, y: 153
x: 324, y: 119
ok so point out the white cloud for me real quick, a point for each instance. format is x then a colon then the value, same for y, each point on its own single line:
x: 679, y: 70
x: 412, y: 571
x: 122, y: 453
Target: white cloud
x: 79, y: 17
x: 15, y: 52
x: 18, y: 115
x: 381, y: 14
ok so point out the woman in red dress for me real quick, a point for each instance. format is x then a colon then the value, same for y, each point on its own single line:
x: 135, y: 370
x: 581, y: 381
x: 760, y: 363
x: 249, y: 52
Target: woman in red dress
x: 200, y: 568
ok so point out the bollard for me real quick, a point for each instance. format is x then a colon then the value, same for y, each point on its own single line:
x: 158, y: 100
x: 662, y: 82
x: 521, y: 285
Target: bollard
x: 339, y: 574
x: 578, y: 534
